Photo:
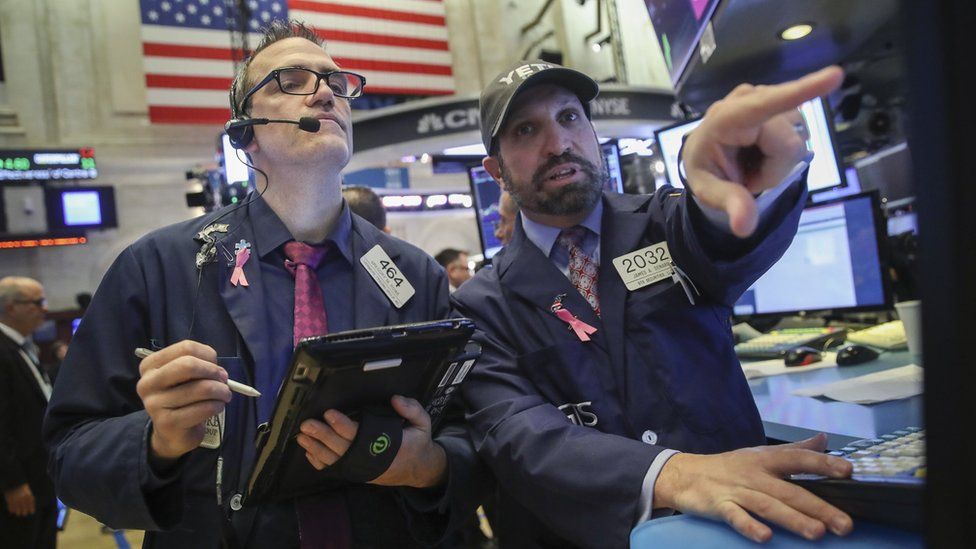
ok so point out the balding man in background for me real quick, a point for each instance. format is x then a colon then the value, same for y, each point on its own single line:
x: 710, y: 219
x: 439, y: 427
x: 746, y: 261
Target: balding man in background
x: 28, y: 517
x: 368, y: 205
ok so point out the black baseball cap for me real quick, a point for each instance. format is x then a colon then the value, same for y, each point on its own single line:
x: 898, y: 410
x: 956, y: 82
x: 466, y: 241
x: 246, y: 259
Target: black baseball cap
x: 520, y: 76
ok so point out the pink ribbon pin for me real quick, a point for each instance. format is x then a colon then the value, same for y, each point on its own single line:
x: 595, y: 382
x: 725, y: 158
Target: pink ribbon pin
x: 580, y: 328
x: 243, y: 254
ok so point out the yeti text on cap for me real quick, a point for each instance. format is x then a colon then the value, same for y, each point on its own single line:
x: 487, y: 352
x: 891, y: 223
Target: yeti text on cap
x: 524, y: 72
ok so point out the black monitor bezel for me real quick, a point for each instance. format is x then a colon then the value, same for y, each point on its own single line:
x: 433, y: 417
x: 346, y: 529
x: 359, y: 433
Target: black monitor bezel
x: 678, y: 75
x: 881, y: 239
x: 828, y: 114
x: 616, y: 152
x: 657, y: 140
x: 55, y: 207
x: 477, y: 212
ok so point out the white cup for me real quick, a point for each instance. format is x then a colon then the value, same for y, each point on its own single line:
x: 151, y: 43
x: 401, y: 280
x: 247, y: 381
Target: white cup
x: 910, y: 313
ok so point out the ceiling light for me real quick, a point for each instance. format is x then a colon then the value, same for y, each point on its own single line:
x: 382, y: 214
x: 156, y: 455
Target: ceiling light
x: 796, y: 32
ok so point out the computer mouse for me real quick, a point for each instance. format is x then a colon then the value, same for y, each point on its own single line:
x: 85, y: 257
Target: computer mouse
x: 855, y: 354
x: 802, y: 356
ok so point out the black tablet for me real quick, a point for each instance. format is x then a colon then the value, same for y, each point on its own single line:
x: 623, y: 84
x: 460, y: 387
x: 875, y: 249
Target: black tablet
x: 356, y: 372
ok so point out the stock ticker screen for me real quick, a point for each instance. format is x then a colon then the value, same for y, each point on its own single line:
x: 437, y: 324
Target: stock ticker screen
x: 48, y: 165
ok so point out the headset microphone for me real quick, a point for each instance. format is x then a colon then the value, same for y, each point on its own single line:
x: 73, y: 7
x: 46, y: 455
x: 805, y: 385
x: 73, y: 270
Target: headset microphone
x: 241, y: 132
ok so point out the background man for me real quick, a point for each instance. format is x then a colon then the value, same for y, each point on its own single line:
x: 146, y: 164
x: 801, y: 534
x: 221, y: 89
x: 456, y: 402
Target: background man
x: 28, y: 516
x: 368, y: 205
x: 226, y: 296
x: 455, y: 263
x: 606, y: 340
x: 507, y: 211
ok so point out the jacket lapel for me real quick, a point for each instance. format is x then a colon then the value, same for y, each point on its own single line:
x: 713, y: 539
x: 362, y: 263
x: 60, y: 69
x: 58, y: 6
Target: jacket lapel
x: 371, y: 306
x: 621, y: 231
x: 526, y: 271
x: 18, y: 363
x: 246, y: 306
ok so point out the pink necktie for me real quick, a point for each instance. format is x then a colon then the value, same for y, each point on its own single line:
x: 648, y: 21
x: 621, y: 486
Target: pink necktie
x: 310, y: 319
x: 583, y: 271
x: 323, y: 519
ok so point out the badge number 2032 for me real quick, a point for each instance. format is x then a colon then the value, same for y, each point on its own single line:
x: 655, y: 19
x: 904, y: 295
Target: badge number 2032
x: 644, y: 266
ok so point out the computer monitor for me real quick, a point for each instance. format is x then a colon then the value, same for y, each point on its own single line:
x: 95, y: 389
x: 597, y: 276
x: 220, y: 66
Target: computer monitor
x: 486, y: 194
x: 825, y: 171
x: 71, y: 208
x: 669, y: 141
x: 235, y: 171
x: 835, y: 263
x: 889, y: 171
x: 679, y: 25
x: 611, y: 155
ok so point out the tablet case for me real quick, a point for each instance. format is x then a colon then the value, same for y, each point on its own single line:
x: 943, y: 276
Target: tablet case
x: 351, y: 372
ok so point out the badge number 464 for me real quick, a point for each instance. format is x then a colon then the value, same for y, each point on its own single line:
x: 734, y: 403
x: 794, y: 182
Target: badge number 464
x: 387, y: 276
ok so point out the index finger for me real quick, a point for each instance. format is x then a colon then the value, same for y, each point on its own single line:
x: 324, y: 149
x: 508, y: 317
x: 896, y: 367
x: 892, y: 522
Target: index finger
x: 167, y: 354
x: 768, y: 101
x: 788, y: 461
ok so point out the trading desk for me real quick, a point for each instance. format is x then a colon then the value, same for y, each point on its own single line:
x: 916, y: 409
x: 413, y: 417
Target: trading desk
x: 789, y: 418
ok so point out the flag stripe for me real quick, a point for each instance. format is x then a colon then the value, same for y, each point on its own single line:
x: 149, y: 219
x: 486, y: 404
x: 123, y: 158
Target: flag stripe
x: 394, y: 90
x: 401, y: 29
x: 416, y: 6
x: 188, y: 98
x: 331, y: 34
x: 188, y: 115
x: 194, y: 83
x: 191, y: 68
x: 391, y: 66
x: 173, y: 89
x: 340, y: 49
x: 352, y: 64
x: 191, y: 52
x: 373, y: 13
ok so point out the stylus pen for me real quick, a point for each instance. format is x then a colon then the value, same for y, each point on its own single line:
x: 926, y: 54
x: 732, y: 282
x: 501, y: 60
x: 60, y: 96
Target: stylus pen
x: 235, y: 386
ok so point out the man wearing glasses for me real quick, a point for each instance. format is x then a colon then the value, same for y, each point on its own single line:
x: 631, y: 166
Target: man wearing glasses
x: 28, y: 510
x: 214, y: 298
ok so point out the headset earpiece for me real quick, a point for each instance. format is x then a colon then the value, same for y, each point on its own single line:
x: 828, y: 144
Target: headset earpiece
x: 239, y: 133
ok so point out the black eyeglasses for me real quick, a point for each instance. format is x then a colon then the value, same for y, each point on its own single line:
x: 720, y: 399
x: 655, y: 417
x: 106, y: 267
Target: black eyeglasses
x: 302, y: 81
x: 42, y: 302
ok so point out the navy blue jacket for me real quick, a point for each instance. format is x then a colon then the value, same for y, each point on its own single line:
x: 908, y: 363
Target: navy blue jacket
x: 97, y: 428
x: 658, y: 368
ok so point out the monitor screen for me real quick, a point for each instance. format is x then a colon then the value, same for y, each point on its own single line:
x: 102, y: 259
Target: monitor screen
x: 235, y: 170
x: 486, y: 193
x: 679, y: 25
x: 825, y: 172
x: 669, y: 141
x: 611, y: 154
x: 80, y: 208
x: 834, y: 263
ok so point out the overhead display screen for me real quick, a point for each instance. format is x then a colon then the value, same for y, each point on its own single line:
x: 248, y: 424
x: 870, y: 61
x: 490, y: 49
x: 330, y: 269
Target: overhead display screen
x: 48, y: 165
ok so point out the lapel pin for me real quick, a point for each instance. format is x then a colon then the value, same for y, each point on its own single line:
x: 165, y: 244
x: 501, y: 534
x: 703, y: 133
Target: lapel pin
x: 580, y: 328
x: 243, y: 253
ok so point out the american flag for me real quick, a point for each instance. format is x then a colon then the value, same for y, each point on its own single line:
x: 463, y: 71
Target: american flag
x: 400, y: 46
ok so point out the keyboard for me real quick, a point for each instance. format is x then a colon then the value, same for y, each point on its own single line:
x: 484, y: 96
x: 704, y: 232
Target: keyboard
x: 777, y: 343
x: 887, y: 484
x: 889, y: 336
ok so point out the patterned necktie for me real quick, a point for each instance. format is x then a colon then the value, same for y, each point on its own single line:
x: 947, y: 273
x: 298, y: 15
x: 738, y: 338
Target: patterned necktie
x: 583, y: 271
x: 310, y: 319
x: 323, y: 519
